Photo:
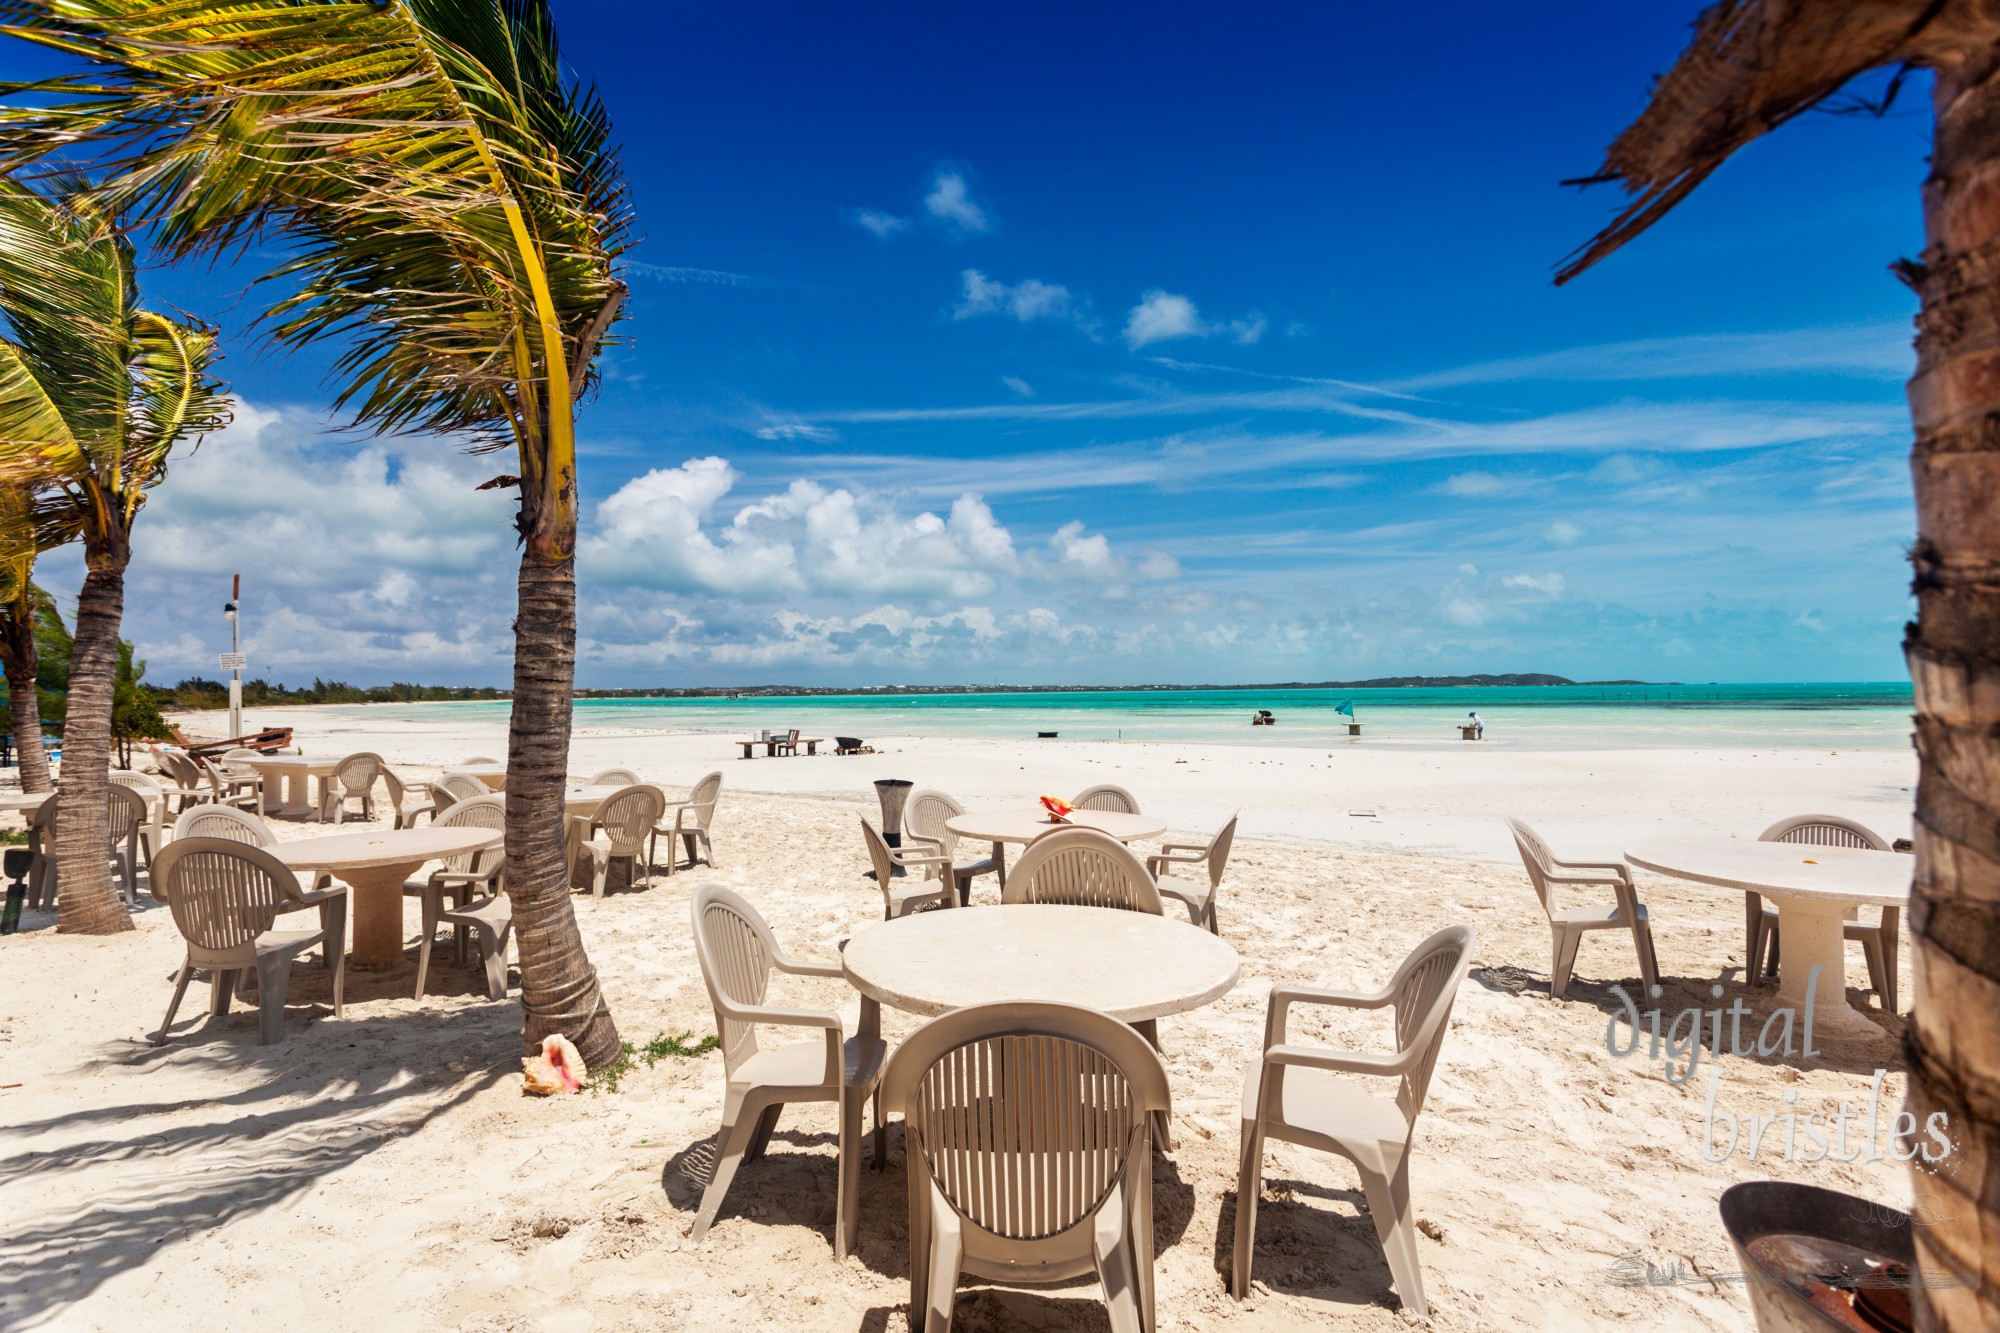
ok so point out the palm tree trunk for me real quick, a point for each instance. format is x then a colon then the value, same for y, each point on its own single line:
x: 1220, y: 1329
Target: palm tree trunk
x: 17, y: 651
x: 86, y: 901
x: 559, y: 991
x: 1953, y: 1037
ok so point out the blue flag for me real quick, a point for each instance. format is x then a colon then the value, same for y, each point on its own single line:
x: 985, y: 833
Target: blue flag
x: 1345, y: 706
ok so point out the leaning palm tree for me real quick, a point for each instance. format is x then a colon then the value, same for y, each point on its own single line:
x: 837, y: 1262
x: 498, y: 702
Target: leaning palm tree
x: 95, y: 394
x: 1753, y: 65
x: 454, y: 210
x: 21, y: 604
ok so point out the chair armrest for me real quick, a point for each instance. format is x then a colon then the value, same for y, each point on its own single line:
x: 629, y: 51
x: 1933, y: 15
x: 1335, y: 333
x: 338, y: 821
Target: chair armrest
x: 1587, y: 880
x: 1345, y: 1062
x: 1618, y: 866
x: 788, y: 1018
x: 1200, y: 847
x: 1167, y: 857
x: 903, y: 856
x: 464, y: 876
x: 318, y: 896
x: 806, y: 968
x: 1284, y: 997
x: 923, y: 838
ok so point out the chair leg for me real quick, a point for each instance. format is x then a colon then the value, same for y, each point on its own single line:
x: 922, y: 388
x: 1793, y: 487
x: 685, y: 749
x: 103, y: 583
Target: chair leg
x: 1389, y: 1206
x: 1753, y: 933
x: 493, y: 951
x: 760, y: 1139
x: 221, y: 985
x: 1891, y: 946
x: 1649, y: 963
x: 881, y: 1135
x: 432, y: 904
x: 847, y: 1197
x: 274, y: 974
x: 947, y: 1255
x: 1249, y: 1185
x: 1163, y: 1128
x: 1871, y: 952
x: 1773, y: 934
x: 173, y: 1005
x: 1565, y: 960
x: 739, y: 1122
x: 1111, y: 1246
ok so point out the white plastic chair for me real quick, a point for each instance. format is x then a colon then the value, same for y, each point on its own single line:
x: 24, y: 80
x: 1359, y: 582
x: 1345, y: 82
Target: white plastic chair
x: 461, y: 787
x: 1084, y: 868
x: 1107, y: 796
x: 1568, y: 926
x: 353, y: 779
x: 1211, y: 856
x: 615, y: 777
x: 400, y: 794
x: 1879, y: 942
x: 1294, y: 1094
x: 151, y: 835
x: 686, y: 822
x: 1030, y: 1154
x: 926, y: 830
x: 902, y: 896
x: 468, y: 893
x: 225, y: 897
x: 620, y: 831
x: 738, y: 954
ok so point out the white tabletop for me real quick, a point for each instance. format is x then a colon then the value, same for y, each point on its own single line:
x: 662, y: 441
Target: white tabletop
x: 1845, y: 874
x: 382, y: 847
x: 584, y: 800
x: 1026, y: 823
x: 24, y: 802
x: 1131, y: 965
x: 289, y: 760
x: 479, y: 770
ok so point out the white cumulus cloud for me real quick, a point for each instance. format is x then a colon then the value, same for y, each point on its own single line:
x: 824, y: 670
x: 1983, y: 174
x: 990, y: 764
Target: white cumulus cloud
x: 951, y: 203
x: 883, y: 226
x: 1162, y: 316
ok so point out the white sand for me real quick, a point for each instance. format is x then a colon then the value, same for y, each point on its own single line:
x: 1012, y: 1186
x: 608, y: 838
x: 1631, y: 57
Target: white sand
x: 383, y: 1170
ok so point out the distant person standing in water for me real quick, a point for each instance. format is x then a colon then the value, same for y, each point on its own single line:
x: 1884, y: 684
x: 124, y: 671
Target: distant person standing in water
x: 1478, y: 725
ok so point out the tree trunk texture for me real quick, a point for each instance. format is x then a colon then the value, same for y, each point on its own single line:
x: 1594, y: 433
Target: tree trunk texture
x: 86, y: 899
x: 1953, y: 1036
x: 559, y: 991
x: 17, y: 651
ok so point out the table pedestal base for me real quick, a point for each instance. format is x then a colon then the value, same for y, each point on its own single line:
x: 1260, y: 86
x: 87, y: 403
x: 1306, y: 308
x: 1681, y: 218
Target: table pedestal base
x: 1811, y: 934
x: 289, y: 797
x: 376, y: 905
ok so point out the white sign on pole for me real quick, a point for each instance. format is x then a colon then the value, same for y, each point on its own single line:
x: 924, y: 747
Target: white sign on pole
x: 234, y: 661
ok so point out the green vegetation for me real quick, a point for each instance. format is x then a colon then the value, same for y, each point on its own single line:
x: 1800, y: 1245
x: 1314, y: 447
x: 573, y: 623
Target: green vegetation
x: 200, y: 692
x: 135, y: 709
x: 605, y: 1078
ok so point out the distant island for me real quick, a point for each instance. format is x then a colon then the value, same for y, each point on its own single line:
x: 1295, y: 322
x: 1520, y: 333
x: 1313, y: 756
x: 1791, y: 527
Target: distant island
x: 200, y: 693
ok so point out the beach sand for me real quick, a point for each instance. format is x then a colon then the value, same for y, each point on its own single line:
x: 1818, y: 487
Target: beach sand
x: 384, y: 1170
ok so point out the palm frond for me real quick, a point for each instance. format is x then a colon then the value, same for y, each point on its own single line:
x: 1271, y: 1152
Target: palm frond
x: 1752, y: 66
x: 451, y: 198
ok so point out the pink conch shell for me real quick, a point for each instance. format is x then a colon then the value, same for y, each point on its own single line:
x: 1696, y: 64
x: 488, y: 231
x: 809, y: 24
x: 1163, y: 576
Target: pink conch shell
x: 557, y: 1069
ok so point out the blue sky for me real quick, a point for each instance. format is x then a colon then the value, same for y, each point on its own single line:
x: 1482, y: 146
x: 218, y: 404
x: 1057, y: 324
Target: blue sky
x: 1099, y: 344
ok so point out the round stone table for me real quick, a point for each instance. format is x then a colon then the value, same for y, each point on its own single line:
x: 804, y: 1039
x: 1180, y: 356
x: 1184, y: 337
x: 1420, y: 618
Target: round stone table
x: 24, y: 802
x: 1813, y: 888
x: 288, y: 781
x: 585, y: 800
x: 375, y: 865
x: 493, y: 775
x: 1132, y: 965
x: 1026, y: 823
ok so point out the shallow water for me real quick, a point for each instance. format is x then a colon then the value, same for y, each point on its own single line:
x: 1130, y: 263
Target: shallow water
x: 1836, y: 716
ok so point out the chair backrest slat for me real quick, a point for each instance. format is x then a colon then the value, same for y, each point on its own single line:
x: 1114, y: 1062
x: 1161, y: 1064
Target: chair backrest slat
x: 223, y: 894
x: 1082, y: 867
x: 735, y: 948
x: 463, y: 787
x: 1425, y: 986
x: 615, y: 777
x: 488, y: 812
x: 1107, y: 796
x: 703, y: 798
x: 1825, y: 831
x: 1218, y: 850
x: 1535, y: 855
x: 628, y: 816
x: 925, y: 813
x: 223, y: 821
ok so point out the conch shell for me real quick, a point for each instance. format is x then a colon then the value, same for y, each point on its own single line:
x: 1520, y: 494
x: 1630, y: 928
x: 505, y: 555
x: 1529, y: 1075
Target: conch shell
x: 1058, y: 808
x: 557, y: 1069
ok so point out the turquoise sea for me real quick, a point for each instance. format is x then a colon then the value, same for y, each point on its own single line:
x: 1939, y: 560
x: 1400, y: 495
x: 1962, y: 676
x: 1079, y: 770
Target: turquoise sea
x: 1830, y: 716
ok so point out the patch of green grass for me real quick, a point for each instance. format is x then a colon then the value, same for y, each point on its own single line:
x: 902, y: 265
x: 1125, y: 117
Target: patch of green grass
x: 605, y: 1078
x: 13, y: 837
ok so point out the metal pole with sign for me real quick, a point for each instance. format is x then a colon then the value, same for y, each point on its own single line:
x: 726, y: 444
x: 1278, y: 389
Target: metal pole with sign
x: 232, y: 661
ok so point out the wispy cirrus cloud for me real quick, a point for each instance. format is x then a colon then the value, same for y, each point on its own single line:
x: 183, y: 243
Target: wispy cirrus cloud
x: 702, y: 277
x: 1865, y: 351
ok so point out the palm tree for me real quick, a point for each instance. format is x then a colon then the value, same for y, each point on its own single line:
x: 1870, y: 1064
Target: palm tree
x: 21, y: 604
x: 453, y: 208
x: 1754, y: 64
x: 97, y: 393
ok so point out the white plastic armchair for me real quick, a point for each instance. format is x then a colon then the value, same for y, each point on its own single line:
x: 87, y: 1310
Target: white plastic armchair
x: 1294, y: 1095
x: 686, y: 822
x: 466, y: 892
x: 1212, y: 857
x: 151, y: 835
x: 926, y: 829
x: 353, y: 779
x: 900, y: 897
x: 1568, y: 926
x: 615, y: 777
x: 408, y: 800
x: 738, y: 953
